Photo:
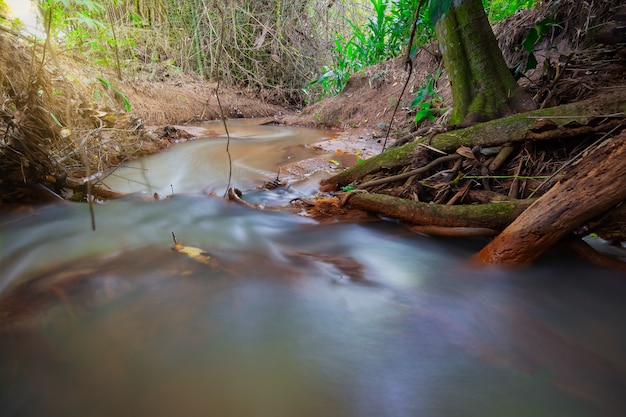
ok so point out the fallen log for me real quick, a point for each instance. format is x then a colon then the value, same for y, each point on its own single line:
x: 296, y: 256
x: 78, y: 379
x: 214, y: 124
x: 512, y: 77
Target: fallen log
x: 454, y: 231
x: 494, y: 216
x: 592, y: 187
x: 573, y: 120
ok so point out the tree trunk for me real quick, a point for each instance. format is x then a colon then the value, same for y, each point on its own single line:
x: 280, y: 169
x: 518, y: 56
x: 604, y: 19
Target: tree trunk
x: 594, y: 186
x: 483, y: 88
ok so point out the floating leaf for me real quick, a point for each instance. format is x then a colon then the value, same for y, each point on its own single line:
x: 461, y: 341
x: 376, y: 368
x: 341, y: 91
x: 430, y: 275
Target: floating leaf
x: 334, y: 162
x: 196, y: 254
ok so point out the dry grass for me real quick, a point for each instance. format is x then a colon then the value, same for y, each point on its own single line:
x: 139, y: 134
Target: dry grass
x: 60, y: 117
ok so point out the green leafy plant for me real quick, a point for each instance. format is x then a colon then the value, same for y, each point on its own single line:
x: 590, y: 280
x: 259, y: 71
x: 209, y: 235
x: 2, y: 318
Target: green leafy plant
x: 536, y: 35
x: 383, y: 36
x: 426, y: 98
x: 108, y: 86
x: 500, y: 9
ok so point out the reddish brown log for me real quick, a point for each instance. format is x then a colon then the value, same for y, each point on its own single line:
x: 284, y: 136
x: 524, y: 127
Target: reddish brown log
x: 592, y: 187
x: 589, y: 254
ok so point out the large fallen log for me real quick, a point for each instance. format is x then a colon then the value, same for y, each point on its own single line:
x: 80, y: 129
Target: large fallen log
x: 571, y: 120
x: 495, y: 216
x: 596, y: 184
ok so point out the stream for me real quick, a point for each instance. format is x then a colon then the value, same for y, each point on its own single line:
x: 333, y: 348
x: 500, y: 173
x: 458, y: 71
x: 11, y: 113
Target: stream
x: 292, y: 317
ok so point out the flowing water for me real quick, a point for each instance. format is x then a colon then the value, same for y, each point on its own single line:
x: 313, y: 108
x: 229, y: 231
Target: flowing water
x: 293, y: 318
x: 257, y: 153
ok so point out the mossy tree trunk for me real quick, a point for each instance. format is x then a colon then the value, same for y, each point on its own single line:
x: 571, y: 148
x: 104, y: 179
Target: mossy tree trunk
x: 483, y: 88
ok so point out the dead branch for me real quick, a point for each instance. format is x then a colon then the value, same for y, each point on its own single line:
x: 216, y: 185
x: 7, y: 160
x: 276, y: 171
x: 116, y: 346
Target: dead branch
x: 421, y: 170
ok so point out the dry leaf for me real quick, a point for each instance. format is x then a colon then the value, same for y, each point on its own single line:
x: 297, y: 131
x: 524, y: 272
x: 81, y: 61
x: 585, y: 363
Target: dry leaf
x: 196, y: 254
x: 465, y: 152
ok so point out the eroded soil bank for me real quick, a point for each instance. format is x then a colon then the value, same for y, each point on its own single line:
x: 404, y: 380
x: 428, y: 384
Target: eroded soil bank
x: 65, y: 120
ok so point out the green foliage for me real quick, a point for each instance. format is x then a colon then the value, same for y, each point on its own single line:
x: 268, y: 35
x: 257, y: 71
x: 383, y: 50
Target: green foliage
x: 436, y: 9
x: 84, y: 26
x: 499, y: 9
x: 496, y: 9
x: 426, y: 98
x: 55, y: 120
x: 108, y: 86
x: 382, y: 36
x: 536, y: 35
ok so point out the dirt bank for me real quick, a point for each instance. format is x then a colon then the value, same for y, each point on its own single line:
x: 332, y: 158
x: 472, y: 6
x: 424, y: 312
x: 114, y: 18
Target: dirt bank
x: 62, y: 117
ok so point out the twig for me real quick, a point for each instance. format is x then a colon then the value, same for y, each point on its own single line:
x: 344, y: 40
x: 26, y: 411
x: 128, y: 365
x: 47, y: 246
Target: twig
x: 556, y: 80
x: 46, y: 45
x: 219, y: 103
x: 85, y: 159
x: 571, y: 161
x: 118, y: 67
x: 409, y: 174
x: 409, y: 64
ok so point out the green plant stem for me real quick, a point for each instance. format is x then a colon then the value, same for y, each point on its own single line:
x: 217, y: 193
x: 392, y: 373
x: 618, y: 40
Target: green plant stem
x: 409, y: 64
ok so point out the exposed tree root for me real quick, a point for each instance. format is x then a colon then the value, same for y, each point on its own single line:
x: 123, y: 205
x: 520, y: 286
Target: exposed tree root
x: 567, y: 150
x: 563, y: 122
x: 491, y: 216
x: 589, y: 254
x: 594, y: 186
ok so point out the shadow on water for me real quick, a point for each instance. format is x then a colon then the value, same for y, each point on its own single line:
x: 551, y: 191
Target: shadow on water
x: 297, y: 319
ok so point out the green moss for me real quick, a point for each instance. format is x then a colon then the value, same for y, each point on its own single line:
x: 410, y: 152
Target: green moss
x: 482, y: 86
x: 391, y: 158
x: 493, y: 215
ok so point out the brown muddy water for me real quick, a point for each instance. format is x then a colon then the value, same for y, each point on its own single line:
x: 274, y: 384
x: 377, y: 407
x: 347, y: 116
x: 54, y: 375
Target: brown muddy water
x: 295, y: 318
